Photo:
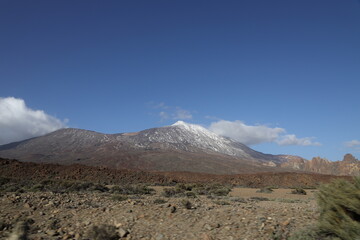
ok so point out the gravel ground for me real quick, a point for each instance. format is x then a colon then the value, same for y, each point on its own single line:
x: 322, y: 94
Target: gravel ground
x: 244, y: 214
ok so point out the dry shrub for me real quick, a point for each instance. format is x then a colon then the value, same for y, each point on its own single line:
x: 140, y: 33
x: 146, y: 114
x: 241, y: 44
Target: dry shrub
x: 211, y: 189
x: 159, y: 201
x: 299, y: 191
x: 135, y: 189
x: 265, y: 190
x: 102, y: 232
x: 119, y: 197
x: 173, y: 192
x: 186, y: 204
x: 339, y: 204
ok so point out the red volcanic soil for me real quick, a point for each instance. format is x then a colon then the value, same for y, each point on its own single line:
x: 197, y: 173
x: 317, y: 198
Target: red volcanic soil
x: 77, y: 172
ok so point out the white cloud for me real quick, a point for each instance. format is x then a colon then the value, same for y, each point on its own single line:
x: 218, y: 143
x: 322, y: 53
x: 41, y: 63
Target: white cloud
x: 170, y: 112
x: 257, y: 134
x: 355, y: 144
x: 181, y: 114
x: 245, y: 134
x: 291, y: 139
x: 18, y: 122
x: 163, y: 116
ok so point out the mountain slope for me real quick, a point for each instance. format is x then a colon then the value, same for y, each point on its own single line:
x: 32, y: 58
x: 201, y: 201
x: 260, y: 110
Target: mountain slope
x: 180, y: 147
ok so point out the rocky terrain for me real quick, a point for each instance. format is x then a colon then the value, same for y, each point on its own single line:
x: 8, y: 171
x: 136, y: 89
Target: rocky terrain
x: 51, y: 201
x: 181, y: 147
x: 241, y: 214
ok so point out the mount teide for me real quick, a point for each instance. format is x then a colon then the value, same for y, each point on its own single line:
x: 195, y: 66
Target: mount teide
x: 179, y: 147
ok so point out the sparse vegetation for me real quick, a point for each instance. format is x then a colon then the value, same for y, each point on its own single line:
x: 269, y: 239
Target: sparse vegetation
x: 286, y: 200
x: 212, y: 189
x: 339, y: 204
x: 102, y: 232
x: 237, y: 199
x: 4, y: 181
x: 310, y: 233
x: 265, y: 190
x: 259, y: 199
x: 190, y: 194
x: 119, y: 197
x: 299, y: 191
x: 65, y: 208
x: 185, y: 187
x: 186, y: 204
x: 221, y: 202
x: 159, y: 201
x: 173, y: 192
x: 191, y: 190
x: 62, y: 186
x: 20, y: 231
x: 135, y: 189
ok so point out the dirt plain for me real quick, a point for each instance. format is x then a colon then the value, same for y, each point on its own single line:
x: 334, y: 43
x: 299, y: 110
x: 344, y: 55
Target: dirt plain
x: 242, y: 214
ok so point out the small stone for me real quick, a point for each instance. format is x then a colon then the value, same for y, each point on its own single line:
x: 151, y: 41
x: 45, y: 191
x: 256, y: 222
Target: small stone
x: 262, y: 219
x: 118, y: 225
x: 262, y: 226
x: 67, y: 236
x: 287, y: 222
x: 173, y: 209
x: 51, y: 232
x: 122, y: 232
x: 159, y: 236
x: 208, y: 227
x: 206, y: 237
x: 27, y: 205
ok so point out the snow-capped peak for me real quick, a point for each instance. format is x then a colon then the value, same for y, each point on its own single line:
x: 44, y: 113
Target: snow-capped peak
x: 188, y: 125
x: 179, y: 123
x: 194, y: 128
x: 203, y: 138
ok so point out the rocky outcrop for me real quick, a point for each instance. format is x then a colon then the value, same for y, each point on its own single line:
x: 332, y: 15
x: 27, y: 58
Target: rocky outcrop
x: 348, y: 166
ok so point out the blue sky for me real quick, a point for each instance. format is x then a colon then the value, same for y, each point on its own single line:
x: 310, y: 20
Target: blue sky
x: 285, y: 71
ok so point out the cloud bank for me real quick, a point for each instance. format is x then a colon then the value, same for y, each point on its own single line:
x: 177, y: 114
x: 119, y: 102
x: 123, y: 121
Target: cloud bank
x: 251, y: 135
x: 18, y: 122
x: 354, y: 144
